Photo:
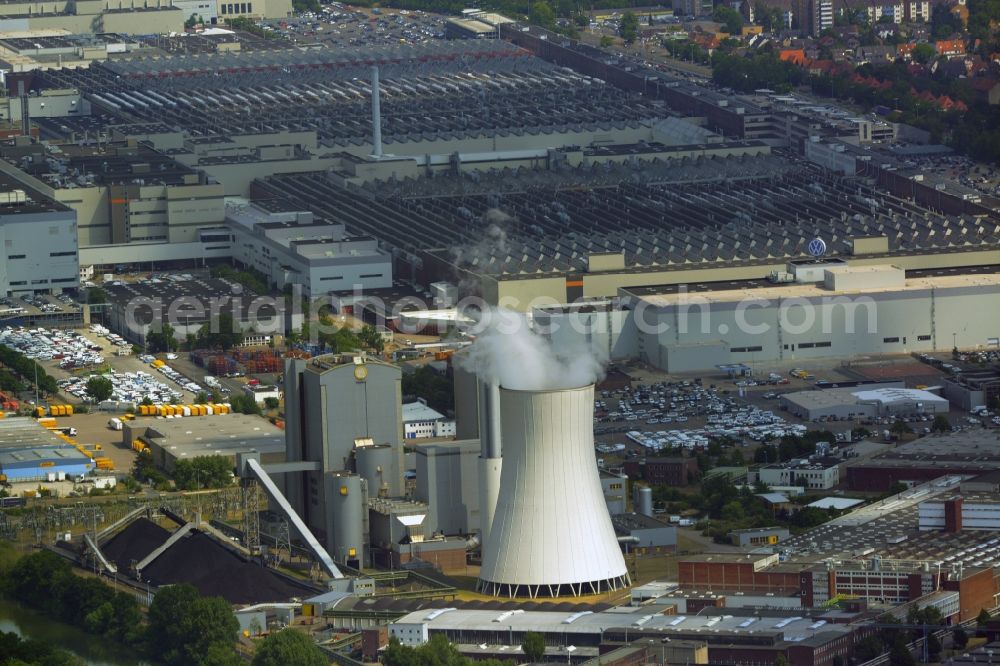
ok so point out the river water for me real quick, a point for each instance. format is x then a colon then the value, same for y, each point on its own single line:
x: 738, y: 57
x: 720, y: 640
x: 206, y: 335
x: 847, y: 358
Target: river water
x: 95, y: 651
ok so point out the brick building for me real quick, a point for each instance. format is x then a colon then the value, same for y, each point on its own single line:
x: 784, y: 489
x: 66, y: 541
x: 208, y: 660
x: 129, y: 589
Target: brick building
x: 663, y: 471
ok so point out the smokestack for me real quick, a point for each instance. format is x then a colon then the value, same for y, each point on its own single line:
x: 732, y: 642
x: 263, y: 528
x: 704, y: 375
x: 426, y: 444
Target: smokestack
x: 376, y: 116
x: 551, y: 535
x: 490, y: 461
x: 25, y: 111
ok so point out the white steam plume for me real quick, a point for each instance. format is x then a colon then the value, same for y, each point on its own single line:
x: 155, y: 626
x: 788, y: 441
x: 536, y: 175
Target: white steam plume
x: 509, y: 353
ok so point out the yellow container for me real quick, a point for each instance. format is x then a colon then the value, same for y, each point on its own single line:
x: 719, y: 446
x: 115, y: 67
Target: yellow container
x: 39, y: 412
x: 55, y: 410
x: 69, y: 410
x: 161, y: 410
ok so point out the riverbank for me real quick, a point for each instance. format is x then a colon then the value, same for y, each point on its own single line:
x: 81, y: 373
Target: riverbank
x: 94, y: 650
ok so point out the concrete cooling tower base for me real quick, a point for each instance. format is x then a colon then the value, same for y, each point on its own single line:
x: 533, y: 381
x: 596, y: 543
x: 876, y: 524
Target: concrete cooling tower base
x: 514, y: 591
x: 551, y: 534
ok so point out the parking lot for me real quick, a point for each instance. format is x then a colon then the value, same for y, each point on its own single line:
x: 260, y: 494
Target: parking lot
x: 344, y: 25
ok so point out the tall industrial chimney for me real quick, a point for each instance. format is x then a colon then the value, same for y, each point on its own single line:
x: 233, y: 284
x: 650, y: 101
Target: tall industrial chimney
x: 25, y: 109
x: 376, y: 116
x: 551, y: 534
x: 490, y: 460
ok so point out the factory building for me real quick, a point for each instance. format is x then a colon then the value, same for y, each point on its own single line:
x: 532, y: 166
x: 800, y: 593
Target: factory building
x: 862, y: 402
x: 815, y: 473
x: 39, y: 240
x: 297, y: 249
x: 170, y: 440
x: 133, y: 203
x: 342, y: 414
x: 422, y: 422
x: 815, y: 309
x: 759, y: 536
x: 646, y: 535
x: 732, y: 637
x: 186, y: 303
x: 615, y: 487
x: 962, y: 512
x: 448, y: 481
x: 663, y: 470
x: 971, y: 453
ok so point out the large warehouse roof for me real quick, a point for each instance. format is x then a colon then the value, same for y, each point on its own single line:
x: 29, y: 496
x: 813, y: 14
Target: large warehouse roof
x: 25, y: 433
x: 887, y: 396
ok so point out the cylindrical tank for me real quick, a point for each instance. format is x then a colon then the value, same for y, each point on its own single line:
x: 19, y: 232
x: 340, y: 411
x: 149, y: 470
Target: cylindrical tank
x: 347, y: 504
x: 642, y: 499
x: 551, y: 534
x: 379, y: 467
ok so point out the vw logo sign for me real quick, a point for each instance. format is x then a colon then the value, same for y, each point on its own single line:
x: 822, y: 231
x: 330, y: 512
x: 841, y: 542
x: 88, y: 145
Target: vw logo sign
x: 816, y: 247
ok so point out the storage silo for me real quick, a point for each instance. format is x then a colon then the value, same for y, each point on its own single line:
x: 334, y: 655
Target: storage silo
x: 551, y: 533
x: 348, y: 506
x: 642, y: 500
x: 378, y: 464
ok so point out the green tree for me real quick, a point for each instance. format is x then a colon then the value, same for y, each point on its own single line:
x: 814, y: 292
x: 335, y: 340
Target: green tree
x: 100, y: 388
x: 983, y: 617
x: 731, y: 19
x: 289, y: 647
x: 271, y: 403
x: 959, y: 638
x: 897, y: 487
x: 941, y: 424
x: 221, y: 332
x: 163, y: 340
x: 923, y: 53
x: 899, y: 654
x: 184, y: 626
x: 606, y: 41
x: 244, y: 404
x: 372, y: 339
x: 900, y: 428
x: 96, y: 296
x: 542, y: 14
x: 533, y: 646
x: 781, y: 660
x: 628, y: 29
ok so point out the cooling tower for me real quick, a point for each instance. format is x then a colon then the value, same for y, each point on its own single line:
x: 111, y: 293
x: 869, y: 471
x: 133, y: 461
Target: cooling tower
x: 551, y: 534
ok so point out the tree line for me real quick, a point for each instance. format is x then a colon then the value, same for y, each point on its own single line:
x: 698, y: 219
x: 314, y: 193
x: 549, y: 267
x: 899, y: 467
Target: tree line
x: 25, y: 368
x: 182, y: 628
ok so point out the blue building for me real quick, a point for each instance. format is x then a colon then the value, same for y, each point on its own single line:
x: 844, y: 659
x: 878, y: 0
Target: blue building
x: 36, y: 463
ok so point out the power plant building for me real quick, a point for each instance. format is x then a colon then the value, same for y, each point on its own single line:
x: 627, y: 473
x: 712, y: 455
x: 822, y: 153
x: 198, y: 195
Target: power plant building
x: 343, y: 415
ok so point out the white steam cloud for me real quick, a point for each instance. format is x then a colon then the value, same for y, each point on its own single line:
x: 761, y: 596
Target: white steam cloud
x: 509, y: 353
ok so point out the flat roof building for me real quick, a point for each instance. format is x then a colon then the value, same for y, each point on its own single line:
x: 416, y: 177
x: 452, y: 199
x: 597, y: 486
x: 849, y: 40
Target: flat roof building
x: 970, y: 452
x: 39, y: 239
x: 173, y: 439
x: 868, y: 401
x: 38, y: 463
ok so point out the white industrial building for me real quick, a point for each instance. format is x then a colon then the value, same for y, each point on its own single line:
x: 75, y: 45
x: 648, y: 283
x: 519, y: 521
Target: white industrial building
x: 295, y: 248
x: 865, y: 401
x: 976, y: 514
x: 422, y: 422
x: 815, y: 473
x: 39, y: 241
x: 819, y: 308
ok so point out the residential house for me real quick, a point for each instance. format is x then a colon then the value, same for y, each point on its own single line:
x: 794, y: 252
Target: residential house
x: 950, y: 47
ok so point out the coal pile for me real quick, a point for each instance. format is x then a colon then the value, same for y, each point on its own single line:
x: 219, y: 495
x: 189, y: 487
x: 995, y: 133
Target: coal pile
x: 216, y: 570
x: 134, y: 543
